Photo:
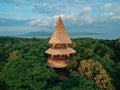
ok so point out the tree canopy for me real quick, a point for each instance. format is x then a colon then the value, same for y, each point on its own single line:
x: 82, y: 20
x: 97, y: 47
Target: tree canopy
x: 95, y: 66
x: 94, y: 70
x: 26, y: 74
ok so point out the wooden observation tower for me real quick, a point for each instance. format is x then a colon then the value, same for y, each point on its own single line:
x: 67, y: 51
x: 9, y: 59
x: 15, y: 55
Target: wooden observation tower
x: 60, y: 50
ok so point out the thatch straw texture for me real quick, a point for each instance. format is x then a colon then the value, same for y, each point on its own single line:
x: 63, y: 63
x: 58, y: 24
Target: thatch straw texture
x: 60, y: 51
x: 60, y: 35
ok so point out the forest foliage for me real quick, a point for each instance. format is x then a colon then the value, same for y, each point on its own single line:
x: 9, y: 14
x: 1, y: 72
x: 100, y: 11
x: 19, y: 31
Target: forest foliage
x: 95, y: 66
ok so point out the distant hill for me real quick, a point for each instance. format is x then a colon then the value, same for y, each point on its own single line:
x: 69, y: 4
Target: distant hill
x: 48, y: 34
x: 37, y: 34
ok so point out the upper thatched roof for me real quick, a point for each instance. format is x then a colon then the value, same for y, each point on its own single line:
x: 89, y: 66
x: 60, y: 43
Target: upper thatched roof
x: 60, y: 35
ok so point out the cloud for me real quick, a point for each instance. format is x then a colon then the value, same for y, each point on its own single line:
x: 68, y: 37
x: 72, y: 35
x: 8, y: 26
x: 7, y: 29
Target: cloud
x: 67, y: 18
x: 57, y: 7
x: 111, y: 16
x: 107, y: 16
x: 85, y: 20
x: 39, y: 22
x: 80, y: 18
x: 83, y: 17
x: 106, y: 6
x: 49, y: 7
x: 116, y: 17
x: 110, y: 12
x: 86, y: 10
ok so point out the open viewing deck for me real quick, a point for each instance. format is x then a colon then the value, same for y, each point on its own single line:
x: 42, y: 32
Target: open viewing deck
x: 57, y: 63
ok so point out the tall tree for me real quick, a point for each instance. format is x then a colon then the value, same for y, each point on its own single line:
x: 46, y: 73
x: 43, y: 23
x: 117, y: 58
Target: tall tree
x: 14, y: 55
x: 94, y: 70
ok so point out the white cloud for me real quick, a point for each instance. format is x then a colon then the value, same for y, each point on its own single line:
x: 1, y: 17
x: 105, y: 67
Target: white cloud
x: 71, y: 18
x: 110, y: 16
x: 85, y: 20
x: 86, y: 10
x: 67, y: 18
x: 106, y: 6
x: 84, y: 17
x: 55, y: 18
x: 116, y: 17
x: 39, y: 22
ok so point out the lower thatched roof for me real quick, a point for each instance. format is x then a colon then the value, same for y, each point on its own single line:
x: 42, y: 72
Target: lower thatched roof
x: 60, y: 51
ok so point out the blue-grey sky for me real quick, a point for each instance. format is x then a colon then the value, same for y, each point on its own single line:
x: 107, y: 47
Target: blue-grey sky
x: 21, y: 16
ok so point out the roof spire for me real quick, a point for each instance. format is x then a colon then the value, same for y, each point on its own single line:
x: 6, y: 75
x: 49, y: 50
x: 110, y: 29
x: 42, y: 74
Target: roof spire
x: 59, y: 18
x: 60, y: 35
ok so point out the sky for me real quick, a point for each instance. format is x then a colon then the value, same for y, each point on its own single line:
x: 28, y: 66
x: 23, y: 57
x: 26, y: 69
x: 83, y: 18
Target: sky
x: 22, y: 16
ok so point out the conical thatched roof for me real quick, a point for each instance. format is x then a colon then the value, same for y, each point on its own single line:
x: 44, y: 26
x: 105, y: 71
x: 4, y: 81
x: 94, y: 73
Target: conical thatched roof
x: 60, y: 35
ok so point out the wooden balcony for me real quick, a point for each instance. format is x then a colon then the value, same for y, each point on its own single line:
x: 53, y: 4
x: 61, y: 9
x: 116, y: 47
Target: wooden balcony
x: 57, y: 63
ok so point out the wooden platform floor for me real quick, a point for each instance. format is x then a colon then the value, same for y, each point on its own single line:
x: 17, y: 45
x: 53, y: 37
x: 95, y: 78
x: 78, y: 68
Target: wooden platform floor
x: 57, y: 63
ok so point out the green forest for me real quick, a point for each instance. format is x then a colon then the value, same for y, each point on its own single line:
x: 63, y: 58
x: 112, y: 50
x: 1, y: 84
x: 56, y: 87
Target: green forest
x: 95, y: 66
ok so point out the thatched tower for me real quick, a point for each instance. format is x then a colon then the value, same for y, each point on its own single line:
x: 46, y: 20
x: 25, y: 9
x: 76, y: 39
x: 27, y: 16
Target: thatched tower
x: 60, y: 50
